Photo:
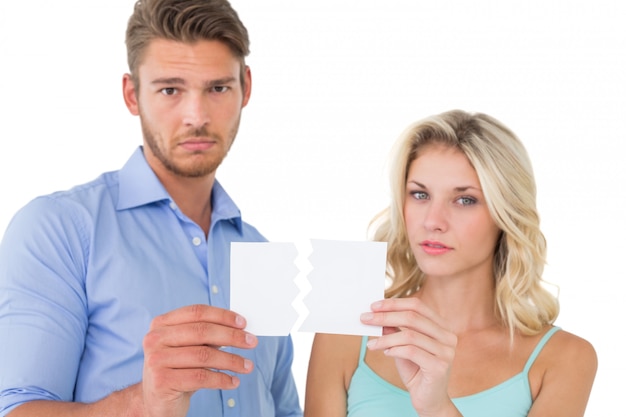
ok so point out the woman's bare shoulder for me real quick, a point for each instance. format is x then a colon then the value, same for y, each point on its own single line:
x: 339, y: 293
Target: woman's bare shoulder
x: 562, y: 351
x: 565, y: 345
x: 565, y: 370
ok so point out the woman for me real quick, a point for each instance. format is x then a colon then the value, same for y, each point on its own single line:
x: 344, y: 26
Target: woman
x: 467, y: 325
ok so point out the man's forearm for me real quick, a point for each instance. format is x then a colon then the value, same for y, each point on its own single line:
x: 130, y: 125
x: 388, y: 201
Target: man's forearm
x: 125, y: 403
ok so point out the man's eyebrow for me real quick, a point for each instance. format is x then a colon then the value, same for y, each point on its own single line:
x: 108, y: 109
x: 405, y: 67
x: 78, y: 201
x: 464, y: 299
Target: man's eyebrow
x: 181, y: 81
x: 170, y: 81
x: 221, y: 81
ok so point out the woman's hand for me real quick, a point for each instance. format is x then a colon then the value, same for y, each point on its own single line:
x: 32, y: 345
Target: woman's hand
x: 423, y: 350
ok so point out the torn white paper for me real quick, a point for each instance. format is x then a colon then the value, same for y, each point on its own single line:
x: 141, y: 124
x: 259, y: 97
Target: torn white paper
x: 279, y: 290
x: 262, y: 285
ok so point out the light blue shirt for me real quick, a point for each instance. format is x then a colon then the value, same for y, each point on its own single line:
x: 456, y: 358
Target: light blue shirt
x: 82, y: 274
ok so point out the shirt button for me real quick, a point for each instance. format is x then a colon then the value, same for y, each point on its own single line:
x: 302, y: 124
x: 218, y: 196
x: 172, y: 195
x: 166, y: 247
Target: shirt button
x: 173, y: 205
x: 215, y: 289
x: 196, y: 241
x: 231, y: 402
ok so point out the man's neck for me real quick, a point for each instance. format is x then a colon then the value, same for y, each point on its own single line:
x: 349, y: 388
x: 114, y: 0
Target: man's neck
x: 193, y: 197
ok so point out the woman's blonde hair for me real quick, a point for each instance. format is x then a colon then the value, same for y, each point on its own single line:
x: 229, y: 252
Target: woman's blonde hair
x: 506, y: 177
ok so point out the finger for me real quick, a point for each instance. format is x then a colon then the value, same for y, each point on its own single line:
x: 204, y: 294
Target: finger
x: 199, y: 333
x: 404, y: 319
x: 408, y: 304
x: 427, y: 362
x: 405, y: 337
x: 193, y: 379
x: 198, y: 357
x: 200, y: 313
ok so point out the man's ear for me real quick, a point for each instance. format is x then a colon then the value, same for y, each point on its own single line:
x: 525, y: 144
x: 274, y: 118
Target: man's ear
x: 130, y: 94
x: 247, y: 86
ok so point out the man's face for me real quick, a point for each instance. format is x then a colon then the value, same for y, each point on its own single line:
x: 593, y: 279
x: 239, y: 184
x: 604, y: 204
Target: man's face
x: 189, y: 101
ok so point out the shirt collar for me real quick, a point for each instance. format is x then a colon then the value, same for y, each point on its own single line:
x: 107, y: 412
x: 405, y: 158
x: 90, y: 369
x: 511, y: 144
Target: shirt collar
x: 138, y: 186
x: 224, y: 208
x: 138, y: 183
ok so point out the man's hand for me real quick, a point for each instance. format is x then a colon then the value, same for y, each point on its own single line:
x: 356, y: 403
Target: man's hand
x: 182, y: 355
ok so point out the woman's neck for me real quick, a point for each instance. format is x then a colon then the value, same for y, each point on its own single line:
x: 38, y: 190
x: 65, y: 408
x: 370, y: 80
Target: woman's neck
x: 466, y: 304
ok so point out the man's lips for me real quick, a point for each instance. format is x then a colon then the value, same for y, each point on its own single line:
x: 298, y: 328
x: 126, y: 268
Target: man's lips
x: 197, y: 144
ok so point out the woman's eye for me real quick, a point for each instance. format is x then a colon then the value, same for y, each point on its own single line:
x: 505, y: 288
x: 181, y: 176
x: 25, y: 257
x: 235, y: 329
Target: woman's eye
x: 466, y: 201
x: 420, y: 195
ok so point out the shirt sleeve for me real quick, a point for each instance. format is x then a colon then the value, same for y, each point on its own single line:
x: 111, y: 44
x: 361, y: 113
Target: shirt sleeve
x: 283, y: 386
x: 43, y: 306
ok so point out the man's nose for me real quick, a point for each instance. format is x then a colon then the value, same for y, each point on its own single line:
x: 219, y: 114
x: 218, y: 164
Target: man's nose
x: 196, y: 111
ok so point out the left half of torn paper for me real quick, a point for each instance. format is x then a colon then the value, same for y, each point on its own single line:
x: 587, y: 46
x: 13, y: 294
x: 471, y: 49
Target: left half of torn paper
x: 319, y: 286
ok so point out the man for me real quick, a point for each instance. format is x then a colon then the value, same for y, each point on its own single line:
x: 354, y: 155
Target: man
x: 114, y: 295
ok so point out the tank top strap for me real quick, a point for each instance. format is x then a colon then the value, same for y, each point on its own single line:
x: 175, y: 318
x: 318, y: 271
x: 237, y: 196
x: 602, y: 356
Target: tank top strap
x: 539, y: 347
x: 363, y: 349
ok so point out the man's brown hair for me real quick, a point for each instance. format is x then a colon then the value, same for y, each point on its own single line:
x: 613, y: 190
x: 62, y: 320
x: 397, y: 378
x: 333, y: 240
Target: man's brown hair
x: 185, y: 21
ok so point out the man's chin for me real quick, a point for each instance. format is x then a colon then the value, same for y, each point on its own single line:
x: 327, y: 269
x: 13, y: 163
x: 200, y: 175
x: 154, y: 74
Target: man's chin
x: 195, y: 170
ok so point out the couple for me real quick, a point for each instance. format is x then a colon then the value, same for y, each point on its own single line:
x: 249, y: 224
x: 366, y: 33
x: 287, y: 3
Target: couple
x: 104, y: 314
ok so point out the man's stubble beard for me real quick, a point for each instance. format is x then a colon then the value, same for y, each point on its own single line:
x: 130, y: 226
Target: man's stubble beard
x: 200, y: 169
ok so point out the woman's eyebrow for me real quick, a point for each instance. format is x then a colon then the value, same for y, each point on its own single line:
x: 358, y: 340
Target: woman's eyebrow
x: 467, y: 187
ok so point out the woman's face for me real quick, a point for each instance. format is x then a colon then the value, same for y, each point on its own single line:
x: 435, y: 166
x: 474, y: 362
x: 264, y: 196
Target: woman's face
x: 449, y: 226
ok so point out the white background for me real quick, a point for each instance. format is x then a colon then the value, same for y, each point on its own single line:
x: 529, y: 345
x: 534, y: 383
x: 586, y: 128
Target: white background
x: 334, y: 83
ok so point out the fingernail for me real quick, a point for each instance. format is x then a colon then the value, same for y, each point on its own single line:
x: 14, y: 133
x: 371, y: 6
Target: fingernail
x: 371, y: 343
x: 367, y: 316
x: 376, y: 305
x: 247, y: 364
x: 250, y: 339
x: 240, y: 321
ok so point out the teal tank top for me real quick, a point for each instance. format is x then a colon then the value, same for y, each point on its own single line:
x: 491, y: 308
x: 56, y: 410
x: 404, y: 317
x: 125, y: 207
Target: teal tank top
x: 371, y: 396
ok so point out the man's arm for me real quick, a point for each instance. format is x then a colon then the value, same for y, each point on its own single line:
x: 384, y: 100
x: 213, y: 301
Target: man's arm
x: 124, y: 403
x: 182, y: 355
x: 42, y: 305
x: 43, y: 312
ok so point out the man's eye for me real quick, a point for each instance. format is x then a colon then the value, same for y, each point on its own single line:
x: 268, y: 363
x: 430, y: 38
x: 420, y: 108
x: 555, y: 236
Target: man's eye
x: 169, y: 91
x: 220, y: 88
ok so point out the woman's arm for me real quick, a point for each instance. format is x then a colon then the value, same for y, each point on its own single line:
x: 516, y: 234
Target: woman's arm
x: 333, y: 361
x: 569, y: 365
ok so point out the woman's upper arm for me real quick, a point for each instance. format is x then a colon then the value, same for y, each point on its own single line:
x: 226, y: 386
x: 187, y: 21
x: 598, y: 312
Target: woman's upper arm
x: 569, y: 374
x: 331, y: 365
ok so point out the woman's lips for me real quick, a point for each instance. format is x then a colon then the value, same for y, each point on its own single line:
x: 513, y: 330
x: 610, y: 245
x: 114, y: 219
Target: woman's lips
x: 434, y: 248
